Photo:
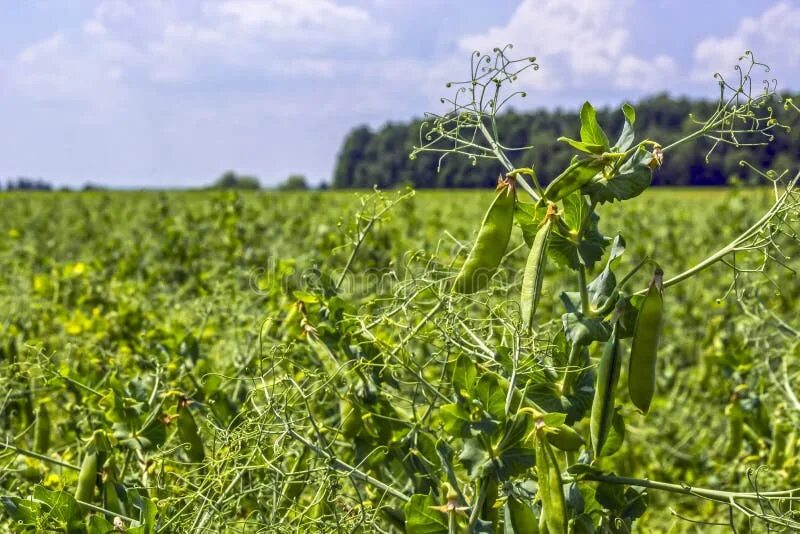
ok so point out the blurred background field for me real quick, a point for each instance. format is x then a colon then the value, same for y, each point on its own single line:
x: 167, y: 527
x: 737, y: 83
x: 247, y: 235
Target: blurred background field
x: 110, y: 291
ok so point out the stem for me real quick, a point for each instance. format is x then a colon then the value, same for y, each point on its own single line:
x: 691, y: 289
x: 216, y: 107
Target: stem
x: 362, y: 236
x: 733, y: 245
x: 354, y: 472
x: 43, y: 458
x: 586, y: 307
x: 504, y: 161
x: 710, y: 494
x: 571, y: 370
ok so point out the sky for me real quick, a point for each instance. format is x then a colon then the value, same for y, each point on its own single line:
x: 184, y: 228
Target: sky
x: 151, y: 93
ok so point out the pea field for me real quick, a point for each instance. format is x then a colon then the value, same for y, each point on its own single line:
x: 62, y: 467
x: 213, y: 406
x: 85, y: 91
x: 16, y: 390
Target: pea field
x: 565, y: 354
x: 257, y: 362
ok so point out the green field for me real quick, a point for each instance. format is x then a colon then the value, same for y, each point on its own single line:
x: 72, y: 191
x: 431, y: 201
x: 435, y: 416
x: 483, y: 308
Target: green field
x: 143, y: 315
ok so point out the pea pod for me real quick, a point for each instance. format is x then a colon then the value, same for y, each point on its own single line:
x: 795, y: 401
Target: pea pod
x: 579, y: 173
x: 642, y: 365
x: 189, y: 433
x: 534, y: 269
x: 41, y: 432
x: 492, y: 241
x: 735, y: 415
x: 93, y: 459
x: 779, y: 439
x: 604, y: 392
x: 551, y: 494
x: 110, y: 493
x: 564, y: 437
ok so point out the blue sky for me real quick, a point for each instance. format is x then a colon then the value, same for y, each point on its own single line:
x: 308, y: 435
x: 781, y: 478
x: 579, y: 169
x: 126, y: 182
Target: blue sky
x: 143, y: 93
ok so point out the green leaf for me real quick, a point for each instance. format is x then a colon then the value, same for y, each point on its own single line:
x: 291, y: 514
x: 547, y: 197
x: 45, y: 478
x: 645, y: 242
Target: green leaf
x: 515, y: 453
x: 602, y: 287
x: 589, y: 148
x: 528, y: 217
x: 456, y: 420
x: 569, y: 250
x: 98, y: 524
x: 22, y: 511
x: 422, y: 518
x: 591, y: 132
x: 626, y: 137
x: 632, y: 178
x: 476, y: 458
x: 582, y: 330
x: 63, y: 505
x: 464, y: 373
x: 491, y: 395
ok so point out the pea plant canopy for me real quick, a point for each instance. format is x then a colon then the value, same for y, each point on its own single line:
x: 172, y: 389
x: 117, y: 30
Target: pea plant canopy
x: 457, y: 397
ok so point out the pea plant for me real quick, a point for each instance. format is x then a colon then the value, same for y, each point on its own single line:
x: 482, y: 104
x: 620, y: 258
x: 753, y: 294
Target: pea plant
x: 516, y: 382
x: 489, y: 414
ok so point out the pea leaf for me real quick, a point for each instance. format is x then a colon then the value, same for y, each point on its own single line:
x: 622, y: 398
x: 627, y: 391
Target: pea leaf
x: 633, y: 177
x: 591, y: 132
x: 627, y: 135
x: 475, y: 458
x: 589, y: 148
x: 528, y: 217
x: 422, y: 518
x: 601, y: 288
x: 583, y: 330
x: 567, y: 248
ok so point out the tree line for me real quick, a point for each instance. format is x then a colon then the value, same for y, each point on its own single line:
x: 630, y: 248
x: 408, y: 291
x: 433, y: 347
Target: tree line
x: 381, y: 157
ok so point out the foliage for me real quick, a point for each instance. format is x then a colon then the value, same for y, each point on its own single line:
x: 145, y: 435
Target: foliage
x: 295, y: 182
x: 239, y: 362
x: 231, y: 180
x: 380, y: 157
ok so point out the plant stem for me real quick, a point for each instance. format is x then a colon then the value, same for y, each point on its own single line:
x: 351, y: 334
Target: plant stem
x: 504, y: 161
x: 586, y: 307
x: 42, y: 457
x: 710, y: 494
x: 733, y: 245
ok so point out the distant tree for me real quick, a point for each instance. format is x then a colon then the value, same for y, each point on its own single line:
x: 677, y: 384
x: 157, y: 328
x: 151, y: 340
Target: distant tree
x: 295, y: 182
x: 370, y: 157
x: 231, y: 180
x: 23, y: 183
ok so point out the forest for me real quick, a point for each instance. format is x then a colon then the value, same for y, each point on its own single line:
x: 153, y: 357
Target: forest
x: 381, y: 157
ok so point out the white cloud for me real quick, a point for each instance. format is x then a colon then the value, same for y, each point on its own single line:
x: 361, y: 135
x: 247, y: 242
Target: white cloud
x: 774, y: 34
x: 646, y: 74
x: 579, y: 44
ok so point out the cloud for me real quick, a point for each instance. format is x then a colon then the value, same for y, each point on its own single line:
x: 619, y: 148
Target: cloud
x: 580, y: 44
x: 772, y: 35
x: 646, y: 74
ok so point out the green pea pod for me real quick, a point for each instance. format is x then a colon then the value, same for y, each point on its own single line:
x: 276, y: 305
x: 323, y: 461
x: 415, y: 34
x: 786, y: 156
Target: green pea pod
x: 41, y: 432
x: 492, y: 241
x: 579, y: 173
x: 94, y: 458
x: 189, y: 433
x: 735, y: 417
x: 519, y: 516
x: 779, y: 436
x: 642, y: 365
x: 110, y: 494
x: 554, y: 510
x: 605, y: 392
x: 534, y: 269
x: 87, y: 478
x: 564, y: 437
